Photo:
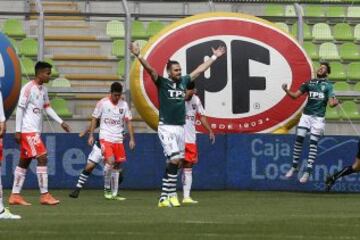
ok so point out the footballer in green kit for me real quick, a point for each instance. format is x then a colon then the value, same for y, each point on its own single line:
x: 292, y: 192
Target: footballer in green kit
x: 320, y: 94
x: 171, y: 94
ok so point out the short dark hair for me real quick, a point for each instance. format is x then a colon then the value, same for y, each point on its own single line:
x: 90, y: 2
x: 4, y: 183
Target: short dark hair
x: 327, y: 66
x: 170, y: 63
x: 41, y: 65
x: 116, y: 87
x: 191, y: 85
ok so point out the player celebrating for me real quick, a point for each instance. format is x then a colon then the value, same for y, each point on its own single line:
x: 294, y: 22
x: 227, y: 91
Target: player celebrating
x: 33, y: 99
x: 354, y: 168
x: 4, y: 212
x: 171, y: 93
x: 193, y: 108
x: 112, y: 113
x: 320, y: 93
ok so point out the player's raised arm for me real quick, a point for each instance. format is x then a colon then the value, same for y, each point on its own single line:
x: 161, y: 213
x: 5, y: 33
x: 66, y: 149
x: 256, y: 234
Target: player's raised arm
x: 135, y: 50
x: 293, y: 95
x: 204, y: 66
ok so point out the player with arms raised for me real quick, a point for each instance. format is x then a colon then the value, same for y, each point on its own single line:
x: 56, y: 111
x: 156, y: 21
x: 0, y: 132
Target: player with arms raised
x: 171, y: 93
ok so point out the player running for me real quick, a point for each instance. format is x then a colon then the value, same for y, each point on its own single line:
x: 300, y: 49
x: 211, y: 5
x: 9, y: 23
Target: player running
x: 320, y: 93
x: 193, y: 108
x: 171, y: 93
x: 113, y: 113
x: 33, y: 100
x: 4, y: 212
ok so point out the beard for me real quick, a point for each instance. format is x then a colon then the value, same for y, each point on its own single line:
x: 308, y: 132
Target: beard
x: 321, y: 75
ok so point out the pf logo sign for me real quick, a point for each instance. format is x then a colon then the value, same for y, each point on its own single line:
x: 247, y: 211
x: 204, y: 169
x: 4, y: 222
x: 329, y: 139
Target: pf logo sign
x: 241, y: 91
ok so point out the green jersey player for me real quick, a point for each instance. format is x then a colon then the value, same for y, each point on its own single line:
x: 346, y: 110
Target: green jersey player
x: 171, y: 93
x: 320, y: 93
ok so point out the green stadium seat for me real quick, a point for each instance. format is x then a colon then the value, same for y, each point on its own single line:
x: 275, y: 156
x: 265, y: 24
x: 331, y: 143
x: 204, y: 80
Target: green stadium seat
x: 357, y: 87
x: 343, y: 32
x: 61, y: 108
x: 154, y: 27
x: 322, y: 32
x: 28, y: 47
x: 121, y: 68
x: 349, y: 52
x: 328, y: 51
x: 311, y: 50
x: 115, y: 29
x: 353, y: 71
x: 314, y: 11
x: 141, y: 43
x: 60, y: 82
x: 353, y: 12
x: 283, y: 26
x: 335, y: 11
x: 290, y: 11
x: 14, y: 28
x: 350, y: 110
x: 118, y: 48
x: 357, y: 33
x: 332, y: 113
x: 138, y: 30
x: 27, y: 66
x: 337, y: 72
x: 307, y: 31
x: 24, y: 81
x: 341, y: 86
x: 274, y: 10
x: 54, y: 71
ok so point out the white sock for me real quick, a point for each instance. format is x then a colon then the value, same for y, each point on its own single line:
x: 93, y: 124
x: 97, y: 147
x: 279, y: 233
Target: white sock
x: 115, y: 181
x: 19, y: 178
x: 42, y: 176
x: 107, y: 176
x: 187, y: 181
x: 1, y: 195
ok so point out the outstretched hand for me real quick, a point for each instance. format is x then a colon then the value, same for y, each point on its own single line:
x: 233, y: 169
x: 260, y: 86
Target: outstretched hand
x: 219, y: 51
x: 134, y: 49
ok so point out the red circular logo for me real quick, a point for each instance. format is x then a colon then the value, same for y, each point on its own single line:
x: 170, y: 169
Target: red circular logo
x: 241, y: 91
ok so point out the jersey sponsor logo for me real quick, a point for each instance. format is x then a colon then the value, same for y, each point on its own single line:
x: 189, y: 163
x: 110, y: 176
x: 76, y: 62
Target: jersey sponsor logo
x: 176, y: 94
x: 241, y: 92
x: 316, y: 95
x: 112, y: 122
x: 10, y: 75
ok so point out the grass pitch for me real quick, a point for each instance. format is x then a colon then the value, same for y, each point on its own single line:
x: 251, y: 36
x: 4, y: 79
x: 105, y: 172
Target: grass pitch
x: 219, y: 215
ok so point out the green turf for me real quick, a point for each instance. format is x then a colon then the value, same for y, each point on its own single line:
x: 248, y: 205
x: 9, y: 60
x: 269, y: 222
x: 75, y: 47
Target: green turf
x: 219, y: 215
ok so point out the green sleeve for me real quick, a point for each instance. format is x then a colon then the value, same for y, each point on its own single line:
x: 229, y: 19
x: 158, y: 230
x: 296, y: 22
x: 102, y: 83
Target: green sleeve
x: 159, y: 80
x: 304, y: 87
x: 186, y: 80
x: 330, y: 91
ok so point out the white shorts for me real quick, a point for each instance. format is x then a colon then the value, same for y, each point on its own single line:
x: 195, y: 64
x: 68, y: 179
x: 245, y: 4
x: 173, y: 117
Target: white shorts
x: 172, y: 138
x: 316, y: 125
x: 95, y: 156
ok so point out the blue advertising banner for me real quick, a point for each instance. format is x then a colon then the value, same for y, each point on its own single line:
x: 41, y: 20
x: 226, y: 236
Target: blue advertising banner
x: 248, y: 162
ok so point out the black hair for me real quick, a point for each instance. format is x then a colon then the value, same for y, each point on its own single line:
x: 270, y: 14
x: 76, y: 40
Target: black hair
x: 170, y: 63
x: 41, y: 65
x: 116, y: 87
x: 327, y: 66
x: 191, y: 85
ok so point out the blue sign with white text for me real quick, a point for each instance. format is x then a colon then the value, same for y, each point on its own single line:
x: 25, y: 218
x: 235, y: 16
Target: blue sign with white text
x: 245, y: 162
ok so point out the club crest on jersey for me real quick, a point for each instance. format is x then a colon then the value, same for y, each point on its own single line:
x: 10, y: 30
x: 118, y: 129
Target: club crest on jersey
x: 121, y: 110
x: 193, y: 106
x: 322, y: 87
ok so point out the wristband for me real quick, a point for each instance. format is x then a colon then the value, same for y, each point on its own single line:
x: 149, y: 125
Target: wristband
x: 214, y: 57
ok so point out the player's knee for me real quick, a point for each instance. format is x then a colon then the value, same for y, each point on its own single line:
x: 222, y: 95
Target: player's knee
x: 314, y: 139
x: 187, y: 164
x: 356, y: 165
x: 42, y: 160
x: 301, y: 132
x: 90, y: 167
